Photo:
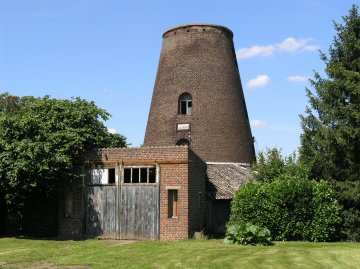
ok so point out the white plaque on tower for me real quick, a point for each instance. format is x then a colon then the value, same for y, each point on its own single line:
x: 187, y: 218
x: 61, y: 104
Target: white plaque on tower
x: 183, y: 126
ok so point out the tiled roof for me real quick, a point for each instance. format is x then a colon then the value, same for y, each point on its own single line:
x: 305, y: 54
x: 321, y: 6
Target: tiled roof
x: 224, y: 179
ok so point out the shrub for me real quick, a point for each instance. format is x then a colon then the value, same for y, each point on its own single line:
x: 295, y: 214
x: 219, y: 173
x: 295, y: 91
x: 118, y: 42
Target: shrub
x: 350, y: 227
x: 291, y: 209
x: 247, y: 234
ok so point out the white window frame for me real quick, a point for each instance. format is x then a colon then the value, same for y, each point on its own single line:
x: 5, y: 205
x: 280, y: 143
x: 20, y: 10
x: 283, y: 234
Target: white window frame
x: 186, y: 99
x: 100, y: 175
x: 139, y: 167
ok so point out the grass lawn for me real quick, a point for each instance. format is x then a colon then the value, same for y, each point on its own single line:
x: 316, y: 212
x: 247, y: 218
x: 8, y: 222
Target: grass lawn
x: 30, y: 253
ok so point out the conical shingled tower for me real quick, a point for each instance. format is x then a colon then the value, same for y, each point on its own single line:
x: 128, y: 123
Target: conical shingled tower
x: 198, y: 97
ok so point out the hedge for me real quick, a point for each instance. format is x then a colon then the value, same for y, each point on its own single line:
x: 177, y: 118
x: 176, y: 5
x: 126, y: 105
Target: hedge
x: 291, y: 209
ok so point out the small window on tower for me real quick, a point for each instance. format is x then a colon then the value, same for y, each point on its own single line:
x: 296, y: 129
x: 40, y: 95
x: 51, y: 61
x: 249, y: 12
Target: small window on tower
x: 185, y: 104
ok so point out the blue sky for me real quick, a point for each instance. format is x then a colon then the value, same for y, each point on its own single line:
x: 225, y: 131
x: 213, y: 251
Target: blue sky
x: 108, y: 51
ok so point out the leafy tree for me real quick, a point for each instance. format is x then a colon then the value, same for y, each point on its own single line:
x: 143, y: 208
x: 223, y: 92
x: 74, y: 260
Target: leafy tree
x: 41, y: 140
x: 330, y: 142
x: 271, y: 165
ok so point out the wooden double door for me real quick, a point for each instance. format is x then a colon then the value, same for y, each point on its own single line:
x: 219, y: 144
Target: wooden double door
x: 124, y: 211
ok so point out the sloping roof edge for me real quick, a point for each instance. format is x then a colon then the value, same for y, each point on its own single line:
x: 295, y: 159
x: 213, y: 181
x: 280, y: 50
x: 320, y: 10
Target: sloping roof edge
x: 224, y: 179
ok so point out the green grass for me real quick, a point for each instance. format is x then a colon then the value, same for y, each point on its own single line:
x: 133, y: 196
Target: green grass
x: 30, y: 253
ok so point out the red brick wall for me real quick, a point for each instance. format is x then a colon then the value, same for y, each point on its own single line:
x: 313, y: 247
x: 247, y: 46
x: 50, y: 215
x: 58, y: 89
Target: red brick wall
x: 174, y: 176
x: 189, y: 180
x: 196, y: 183
x: 136, y: 154
x: 200, y: 60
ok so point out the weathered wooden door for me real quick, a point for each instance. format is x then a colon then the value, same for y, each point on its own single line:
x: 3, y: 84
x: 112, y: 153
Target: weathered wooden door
x: 101, y: 211
x: 139, y: 211
x: 129, y: 211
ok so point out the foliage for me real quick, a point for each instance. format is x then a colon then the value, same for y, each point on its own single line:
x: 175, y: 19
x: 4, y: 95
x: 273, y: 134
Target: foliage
x: 330, y: 142
x: 350, y: 224
x: 247, y: 234
x: 291, y: 209
x: 271, y: 166
x: 41, y: 139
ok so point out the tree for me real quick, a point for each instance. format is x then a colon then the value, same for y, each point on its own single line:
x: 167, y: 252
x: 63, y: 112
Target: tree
x: 330, y: 142
x: 271, y: 166
x: 41, y: 140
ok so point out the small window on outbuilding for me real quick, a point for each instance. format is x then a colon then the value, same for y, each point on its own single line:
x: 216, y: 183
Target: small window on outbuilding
x: 111, y: 176
x: 152, y: 175
x: 100, y: 176
x: 185, y: 104
x: 139, y: 175
x: 135, y: 175
x: 172, y: 203
x: 143, y: 175
x: 127, y: 175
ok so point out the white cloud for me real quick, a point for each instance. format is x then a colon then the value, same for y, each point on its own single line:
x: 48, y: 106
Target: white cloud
x: 258, y: 123
x: 298, y: 78
x: 290, y: 44
x: 244, y: 53
x: 259, y: 81
x: 112, y: 130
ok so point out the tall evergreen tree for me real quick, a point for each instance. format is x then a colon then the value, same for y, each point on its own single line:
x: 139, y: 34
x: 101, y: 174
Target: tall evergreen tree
x: 330, y: 142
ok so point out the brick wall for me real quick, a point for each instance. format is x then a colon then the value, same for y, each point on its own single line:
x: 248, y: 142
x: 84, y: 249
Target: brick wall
x: 174, y: 176
x: 196, y: 183
x: 152, y: 154
x: 71, y: 226
x: 200, y: 60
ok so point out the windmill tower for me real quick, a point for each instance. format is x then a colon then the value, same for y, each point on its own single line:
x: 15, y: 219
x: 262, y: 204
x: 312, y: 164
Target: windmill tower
x: 198, y: 98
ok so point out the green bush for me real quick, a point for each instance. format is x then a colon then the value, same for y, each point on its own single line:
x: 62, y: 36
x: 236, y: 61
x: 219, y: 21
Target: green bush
x: 291, y: 209
x: 247, y: 234
x: 350, y: 226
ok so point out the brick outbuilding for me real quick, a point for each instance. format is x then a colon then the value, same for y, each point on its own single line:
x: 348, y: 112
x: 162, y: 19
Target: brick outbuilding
x: 136, y: 193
